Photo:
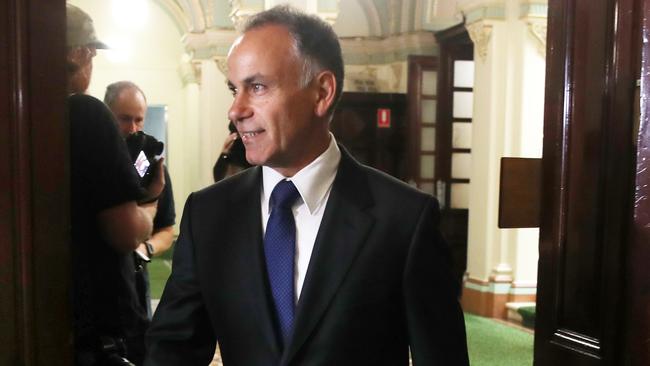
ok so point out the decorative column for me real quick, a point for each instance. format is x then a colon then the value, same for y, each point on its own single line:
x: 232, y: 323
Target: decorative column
x: 508, y: 121
x: 212, y: 98
x: 215, y: 100
x: 185, y: 132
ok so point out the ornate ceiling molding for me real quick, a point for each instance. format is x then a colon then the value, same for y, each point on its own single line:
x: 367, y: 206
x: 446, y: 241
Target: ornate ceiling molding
x: 176, y: 14
x: 241, y: 10
x: 474, y: 12
x: 190, y: 70
x: 222, y: 64
x: 538, y: 30
x: 328, y: 10
x: 209, y: 44
x: 193, y: 10
x: 480, y: 33
x: 534, y: 9
x: 535, y: 14
x: 384, y: 50
x: 372, y: 15
x: 206, y: 40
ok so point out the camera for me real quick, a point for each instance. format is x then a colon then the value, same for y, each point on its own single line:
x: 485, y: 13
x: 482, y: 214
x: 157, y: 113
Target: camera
x: 145, y: 151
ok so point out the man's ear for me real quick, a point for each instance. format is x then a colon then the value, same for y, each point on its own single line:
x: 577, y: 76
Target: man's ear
x: 326, y: 84
x: 79, y: 56
x: 75, y: 56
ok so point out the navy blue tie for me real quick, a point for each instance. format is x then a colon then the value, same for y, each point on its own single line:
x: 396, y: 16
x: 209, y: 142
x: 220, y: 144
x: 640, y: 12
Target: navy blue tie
x: 280, y: 249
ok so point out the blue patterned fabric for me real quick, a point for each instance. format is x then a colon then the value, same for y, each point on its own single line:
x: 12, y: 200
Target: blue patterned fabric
x: 279, y: 250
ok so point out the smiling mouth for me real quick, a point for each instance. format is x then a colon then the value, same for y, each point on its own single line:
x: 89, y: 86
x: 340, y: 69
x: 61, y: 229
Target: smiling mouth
x: 250, y: 134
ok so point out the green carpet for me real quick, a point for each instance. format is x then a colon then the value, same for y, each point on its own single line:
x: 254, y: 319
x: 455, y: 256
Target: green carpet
x: 159, y: 270
x: 491, y: 343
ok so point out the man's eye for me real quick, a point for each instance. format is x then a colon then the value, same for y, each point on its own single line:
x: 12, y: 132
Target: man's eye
x: 257, y: 87
x: 233, y: 91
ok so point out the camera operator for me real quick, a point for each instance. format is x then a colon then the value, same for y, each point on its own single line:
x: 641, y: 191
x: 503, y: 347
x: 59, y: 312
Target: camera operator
x: 129, y: 105
x: 107, y: 221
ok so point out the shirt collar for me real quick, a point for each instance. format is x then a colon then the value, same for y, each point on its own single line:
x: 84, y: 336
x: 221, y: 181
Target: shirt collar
x: 313, y: 181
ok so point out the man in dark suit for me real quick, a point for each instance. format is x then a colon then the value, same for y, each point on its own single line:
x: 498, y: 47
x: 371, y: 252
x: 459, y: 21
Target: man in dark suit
x: 310, y: 258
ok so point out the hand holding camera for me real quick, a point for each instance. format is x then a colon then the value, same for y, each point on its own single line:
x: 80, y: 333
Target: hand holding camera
x: 146, y: 154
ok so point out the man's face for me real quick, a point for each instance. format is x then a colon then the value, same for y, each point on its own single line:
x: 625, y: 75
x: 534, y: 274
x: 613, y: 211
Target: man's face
x: 82, y: 58
x: 129, y: 109
x: 273, y: 112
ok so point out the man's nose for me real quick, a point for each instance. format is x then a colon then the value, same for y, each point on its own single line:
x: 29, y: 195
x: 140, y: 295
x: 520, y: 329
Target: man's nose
x: 133, y: 127
x: 240, y: 109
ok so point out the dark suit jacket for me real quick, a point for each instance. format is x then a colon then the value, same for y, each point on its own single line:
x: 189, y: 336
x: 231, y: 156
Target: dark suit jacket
x: 378, y: 282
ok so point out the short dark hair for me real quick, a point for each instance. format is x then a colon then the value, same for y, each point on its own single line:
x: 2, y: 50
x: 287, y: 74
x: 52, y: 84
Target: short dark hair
x: 113, y: 91
x: 315, y: 42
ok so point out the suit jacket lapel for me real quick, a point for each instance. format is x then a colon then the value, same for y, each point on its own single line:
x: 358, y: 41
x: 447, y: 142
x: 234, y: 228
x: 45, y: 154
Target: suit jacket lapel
x: 341, y: 235
x: 246, y: 235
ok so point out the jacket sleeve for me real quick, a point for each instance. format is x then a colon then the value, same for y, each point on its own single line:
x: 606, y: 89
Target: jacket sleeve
x: 435, y: 321
x: 181, y: 332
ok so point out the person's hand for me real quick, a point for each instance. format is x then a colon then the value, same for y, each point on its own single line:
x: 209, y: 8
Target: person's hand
x: 142, y: 248
x: 157, y: 184
x: 230, y: 140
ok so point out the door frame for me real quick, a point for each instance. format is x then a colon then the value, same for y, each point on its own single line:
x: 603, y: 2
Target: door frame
x: 34, y: 186
x: 559, y: 340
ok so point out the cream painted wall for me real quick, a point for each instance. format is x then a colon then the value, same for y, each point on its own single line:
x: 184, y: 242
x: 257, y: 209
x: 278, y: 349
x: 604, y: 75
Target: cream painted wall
x: 528, y: 143
x: 487, y: 136
x: 508, y: 121
x: 149, y: 54
x: 215, y: 99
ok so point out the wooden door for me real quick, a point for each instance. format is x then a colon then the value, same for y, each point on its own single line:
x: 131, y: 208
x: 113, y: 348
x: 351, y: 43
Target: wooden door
x: 454, y: 138
x: 587, y: 252
x: 440, y: 97
x: 34, y: 219
x: 422, y: 109
x: 371, y: 126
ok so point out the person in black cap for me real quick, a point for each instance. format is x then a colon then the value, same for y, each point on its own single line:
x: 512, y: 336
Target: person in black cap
x: 111, y: 215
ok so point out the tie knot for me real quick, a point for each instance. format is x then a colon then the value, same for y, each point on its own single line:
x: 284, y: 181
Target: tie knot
x: 284, y: 194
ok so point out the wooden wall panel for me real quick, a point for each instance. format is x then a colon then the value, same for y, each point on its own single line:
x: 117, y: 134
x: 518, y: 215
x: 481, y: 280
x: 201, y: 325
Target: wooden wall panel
x: 8, y: 273
x: 34, y: 198
x: 588, y: 164
x: 638, y: 256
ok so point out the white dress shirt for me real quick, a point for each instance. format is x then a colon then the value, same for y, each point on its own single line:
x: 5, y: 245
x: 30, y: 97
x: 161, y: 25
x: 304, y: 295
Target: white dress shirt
x: 314, y: 183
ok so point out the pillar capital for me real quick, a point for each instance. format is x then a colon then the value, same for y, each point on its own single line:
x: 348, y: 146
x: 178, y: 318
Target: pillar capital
x: 189, y: 70
x: 537, y: 29
x: 480, y: 34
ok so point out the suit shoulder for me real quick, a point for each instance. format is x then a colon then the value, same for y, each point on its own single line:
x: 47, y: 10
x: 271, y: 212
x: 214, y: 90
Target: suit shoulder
x: 230, y: 186
x: 386, y: 183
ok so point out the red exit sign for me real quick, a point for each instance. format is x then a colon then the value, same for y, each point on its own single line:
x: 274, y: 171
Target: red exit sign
x: 383, y: 118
